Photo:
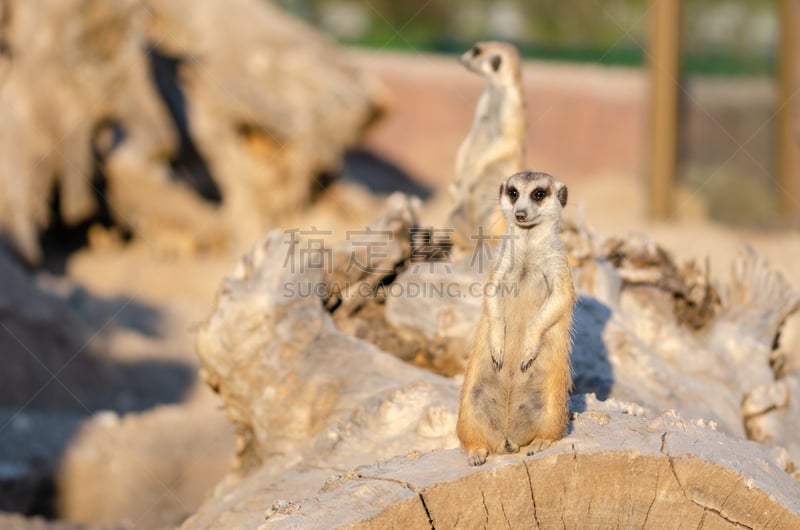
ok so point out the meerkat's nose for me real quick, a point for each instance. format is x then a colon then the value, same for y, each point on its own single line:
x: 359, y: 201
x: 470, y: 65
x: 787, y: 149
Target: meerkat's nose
x: 520, y: 215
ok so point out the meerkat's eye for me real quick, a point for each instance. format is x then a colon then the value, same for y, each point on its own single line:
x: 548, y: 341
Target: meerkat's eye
x: 476, y: 51
x: 539, y: 194
x: 513, y: 193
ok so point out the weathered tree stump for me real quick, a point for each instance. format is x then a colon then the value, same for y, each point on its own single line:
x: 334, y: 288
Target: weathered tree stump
x: 259, y: 100
x: 615, y: 470
x: 317, y: 408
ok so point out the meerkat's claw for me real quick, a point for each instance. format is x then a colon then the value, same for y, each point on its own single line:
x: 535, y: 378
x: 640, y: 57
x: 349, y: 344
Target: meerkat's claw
x: 477, y: 457
x: 538, y: 445
x: 529, y: 355
x: 510, y: 447
x: 496, y: 351
x: 497, y: 361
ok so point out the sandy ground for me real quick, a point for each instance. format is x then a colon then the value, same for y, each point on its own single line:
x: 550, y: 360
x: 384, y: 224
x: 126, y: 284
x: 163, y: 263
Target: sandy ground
x: 693, y: 237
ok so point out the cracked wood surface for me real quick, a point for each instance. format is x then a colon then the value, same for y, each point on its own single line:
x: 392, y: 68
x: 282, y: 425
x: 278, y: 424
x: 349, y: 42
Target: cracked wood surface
x: 631, y: 472
x: 316, y: 408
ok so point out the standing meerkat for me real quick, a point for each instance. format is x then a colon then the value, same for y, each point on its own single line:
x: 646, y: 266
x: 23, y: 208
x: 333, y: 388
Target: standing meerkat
x: 518, y: 378
x: 495, y: 146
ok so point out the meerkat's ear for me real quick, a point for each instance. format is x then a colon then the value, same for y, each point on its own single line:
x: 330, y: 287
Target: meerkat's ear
x: 502, y: 188
x: 496, y: 61
x: 562, y: 194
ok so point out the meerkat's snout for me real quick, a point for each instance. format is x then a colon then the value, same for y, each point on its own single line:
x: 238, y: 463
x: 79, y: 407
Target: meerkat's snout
x: 466, y: 57
x: 525, y: 219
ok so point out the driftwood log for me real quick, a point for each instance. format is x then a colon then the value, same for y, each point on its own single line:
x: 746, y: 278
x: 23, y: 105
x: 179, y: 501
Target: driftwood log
x: 647, y: 330
x: 181, y: 119
x: 335, y: 432
x: 292, y: 363
x: 615, y: 470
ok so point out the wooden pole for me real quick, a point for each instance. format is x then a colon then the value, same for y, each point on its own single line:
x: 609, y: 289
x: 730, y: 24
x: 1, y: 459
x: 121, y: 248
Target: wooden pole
x: 789, y: 109
x: 664, y: 73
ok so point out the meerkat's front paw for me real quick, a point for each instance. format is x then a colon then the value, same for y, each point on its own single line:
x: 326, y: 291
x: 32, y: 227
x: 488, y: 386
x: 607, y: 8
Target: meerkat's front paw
x: 497, y: 359
x: 496, y: 351
x: 529, y: 355
x: 525, y: 364
x: 477, y: 457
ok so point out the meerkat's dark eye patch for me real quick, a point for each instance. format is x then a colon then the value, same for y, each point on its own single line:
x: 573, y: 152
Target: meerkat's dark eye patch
x: 476, y: 50
x: 539, y: 194
x: 496, y: 61
x: 513, y: 194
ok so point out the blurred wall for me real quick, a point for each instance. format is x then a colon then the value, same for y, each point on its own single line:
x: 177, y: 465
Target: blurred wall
x: 586, y: 119
x: 587, y: 122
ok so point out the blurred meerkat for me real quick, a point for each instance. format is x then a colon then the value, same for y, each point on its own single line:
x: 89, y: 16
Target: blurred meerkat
x: 518, y: 378
x: 494, y: 147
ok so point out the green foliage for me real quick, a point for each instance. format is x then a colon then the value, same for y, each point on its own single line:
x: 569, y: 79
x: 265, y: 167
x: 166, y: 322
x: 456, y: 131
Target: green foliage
x: 719, y: 36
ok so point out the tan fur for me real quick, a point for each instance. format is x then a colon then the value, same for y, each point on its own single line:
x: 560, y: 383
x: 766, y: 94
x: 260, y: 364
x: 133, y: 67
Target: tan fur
x: 518, y: 378
x: 495, y: 145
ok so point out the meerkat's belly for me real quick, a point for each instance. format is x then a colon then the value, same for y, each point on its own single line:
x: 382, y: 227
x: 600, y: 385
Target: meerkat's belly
x: 521, y: 304
x: 512, y: 405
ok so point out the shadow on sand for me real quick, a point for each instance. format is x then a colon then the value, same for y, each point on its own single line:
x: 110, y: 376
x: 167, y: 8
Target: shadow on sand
x: 60, y: 367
